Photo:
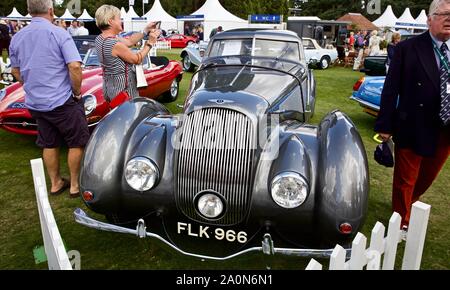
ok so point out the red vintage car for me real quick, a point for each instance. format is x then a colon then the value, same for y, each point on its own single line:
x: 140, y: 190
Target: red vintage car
x: 163, y: 77
x: 180, y: 40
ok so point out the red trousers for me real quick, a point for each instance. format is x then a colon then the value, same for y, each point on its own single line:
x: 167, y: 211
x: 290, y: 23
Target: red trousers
x: 414, y: 174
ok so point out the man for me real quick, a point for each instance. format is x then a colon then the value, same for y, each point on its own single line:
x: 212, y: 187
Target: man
x: 74, y: 29
x: 82, y: 30
x: 5, y: 38
x: 215, y: 31
x: 415, y: 109
x: 44, y: 59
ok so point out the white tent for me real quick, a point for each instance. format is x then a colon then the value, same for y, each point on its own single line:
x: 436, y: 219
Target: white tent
x: 406, y: 21
x: 28, y: 16
x: 421, y: 20
x: 387, y: 19
x: 132, y: 21
x: 157, y: 13
x: 67, y: 16
x: 85, y: 17
x: 15, y: 15
x: 123, y: 13
x: 214, y: 15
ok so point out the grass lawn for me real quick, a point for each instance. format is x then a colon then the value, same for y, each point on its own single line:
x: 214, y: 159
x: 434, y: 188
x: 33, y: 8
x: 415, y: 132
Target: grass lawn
x: 19, y: 220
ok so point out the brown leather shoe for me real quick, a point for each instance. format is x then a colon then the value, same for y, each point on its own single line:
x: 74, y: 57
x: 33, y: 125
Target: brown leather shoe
x: 74, y: 194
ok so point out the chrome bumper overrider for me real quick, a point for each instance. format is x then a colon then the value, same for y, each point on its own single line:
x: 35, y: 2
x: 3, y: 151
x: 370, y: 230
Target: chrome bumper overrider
x: 267, y: 246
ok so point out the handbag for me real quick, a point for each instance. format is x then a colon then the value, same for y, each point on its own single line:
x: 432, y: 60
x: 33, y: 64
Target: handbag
x: 383, y: 153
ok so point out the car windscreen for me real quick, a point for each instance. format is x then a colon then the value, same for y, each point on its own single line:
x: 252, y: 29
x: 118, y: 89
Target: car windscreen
x: 91, y: 58
x: 83, y: 46
x: 256, y: 47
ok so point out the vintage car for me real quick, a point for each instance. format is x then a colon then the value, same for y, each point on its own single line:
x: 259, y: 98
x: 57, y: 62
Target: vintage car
x: 180, y: 40
x: 241, y: 169
x: 193, y: 54
x: 318, y: 56
x: 162, y: 76
x: 367, y: 92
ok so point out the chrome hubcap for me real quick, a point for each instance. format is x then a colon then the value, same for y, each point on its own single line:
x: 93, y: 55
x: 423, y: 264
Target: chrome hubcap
x: 174, y: 88
x: 324, y: 63
x: 187, y: 62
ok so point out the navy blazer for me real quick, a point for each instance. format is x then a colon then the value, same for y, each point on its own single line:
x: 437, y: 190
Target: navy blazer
x: 410, y: 101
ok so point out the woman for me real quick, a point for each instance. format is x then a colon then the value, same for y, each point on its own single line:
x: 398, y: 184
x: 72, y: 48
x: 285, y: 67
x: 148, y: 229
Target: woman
x: 391, y: 47
x: 115, y: 55
x: 374, y: 43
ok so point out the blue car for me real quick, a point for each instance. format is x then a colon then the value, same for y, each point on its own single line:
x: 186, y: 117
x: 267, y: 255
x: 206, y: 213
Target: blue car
x: 367, y: 92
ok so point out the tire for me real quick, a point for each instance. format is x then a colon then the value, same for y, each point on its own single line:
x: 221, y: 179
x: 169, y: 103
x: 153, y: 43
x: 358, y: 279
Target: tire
x: 324, y: 62
x: 172, y: 94
x: 187, y: 64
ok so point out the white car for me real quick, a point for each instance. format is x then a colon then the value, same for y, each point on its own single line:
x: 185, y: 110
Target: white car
x: 316, y: 55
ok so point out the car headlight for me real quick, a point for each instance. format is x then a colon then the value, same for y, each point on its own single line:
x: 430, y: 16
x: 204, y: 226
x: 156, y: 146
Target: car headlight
x: 289, y: 189
x: 10, y: 78
x: 141, y: 173
x: 5, y: 77
x: 90, y: 103
x: 210, y: 205
x: 202, y: 52
x: 2, y: 94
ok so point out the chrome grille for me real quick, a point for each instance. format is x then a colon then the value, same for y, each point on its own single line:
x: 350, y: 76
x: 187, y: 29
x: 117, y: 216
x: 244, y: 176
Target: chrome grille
x: 216, y: 153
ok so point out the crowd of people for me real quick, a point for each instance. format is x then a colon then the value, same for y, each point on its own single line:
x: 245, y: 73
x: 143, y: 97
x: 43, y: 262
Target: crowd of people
x: 371, y: 43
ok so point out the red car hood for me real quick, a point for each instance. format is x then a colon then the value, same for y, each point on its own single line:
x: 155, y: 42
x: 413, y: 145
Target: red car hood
x: 92, y: 81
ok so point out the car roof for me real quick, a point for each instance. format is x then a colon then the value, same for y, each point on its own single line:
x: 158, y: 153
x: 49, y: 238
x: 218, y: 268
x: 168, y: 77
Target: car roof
x: 285, y: 35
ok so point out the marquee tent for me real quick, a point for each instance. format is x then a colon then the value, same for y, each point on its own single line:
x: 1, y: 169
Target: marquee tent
x: 421, y: 20
x: 387, y: 19
x: 15, y: 15
x: 85, y: 17
x: 157, y: 13
x: 132, y: 21
x: 214, y: 15
x: 67, y: 16
x: 406, y: 21
x: 123, y: 13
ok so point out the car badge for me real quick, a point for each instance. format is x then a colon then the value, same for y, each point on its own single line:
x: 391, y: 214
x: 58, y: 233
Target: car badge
x: 221, y: 101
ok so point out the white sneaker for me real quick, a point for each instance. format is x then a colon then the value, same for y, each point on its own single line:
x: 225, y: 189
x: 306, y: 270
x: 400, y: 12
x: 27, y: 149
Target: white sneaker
x: 404, y: 233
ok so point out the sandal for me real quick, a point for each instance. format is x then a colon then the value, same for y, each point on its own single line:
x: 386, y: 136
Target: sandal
x: 66, y: 185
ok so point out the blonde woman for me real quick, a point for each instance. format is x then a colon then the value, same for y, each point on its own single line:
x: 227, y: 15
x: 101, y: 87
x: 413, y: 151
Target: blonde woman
x: 374, y: 43
x: 115, y: 55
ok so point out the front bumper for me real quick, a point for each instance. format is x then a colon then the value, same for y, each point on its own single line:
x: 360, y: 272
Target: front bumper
x: 267, y: 246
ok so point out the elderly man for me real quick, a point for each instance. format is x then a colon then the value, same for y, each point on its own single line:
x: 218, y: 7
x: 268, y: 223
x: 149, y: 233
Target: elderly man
x: 73, y: 29
x: 415, y: 109
x: 45, y: 60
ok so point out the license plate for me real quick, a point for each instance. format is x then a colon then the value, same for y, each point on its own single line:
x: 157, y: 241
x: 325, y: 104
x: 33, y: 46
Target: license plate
x: 207, y: 232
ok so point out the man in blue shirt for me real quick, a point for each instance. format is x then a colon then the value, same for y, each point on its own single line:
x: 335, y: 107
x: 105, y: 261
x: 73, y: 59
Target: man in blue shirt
x: 45, y: 60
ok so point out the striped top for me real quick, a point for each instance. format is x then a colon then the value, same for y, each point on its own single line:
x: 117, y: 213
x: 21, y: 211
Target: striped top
x: 114, y: 76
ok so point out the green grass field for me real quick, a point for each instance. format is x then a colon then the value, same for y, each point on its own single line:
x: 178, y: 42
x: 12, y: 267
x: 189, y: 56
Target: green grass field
x: 19, y: 220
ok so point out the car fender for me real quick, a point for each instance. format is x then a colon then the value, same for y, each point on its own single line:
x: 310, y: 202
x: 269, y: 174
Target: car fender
x: 343, y: 176
x: 104, y: 156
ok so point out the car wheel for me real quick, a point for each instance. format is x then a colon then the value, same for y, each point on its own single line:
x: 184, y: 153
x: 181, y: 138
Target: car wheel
x: 172, y: 94
x: 324, y: 62
x: 187, y: 64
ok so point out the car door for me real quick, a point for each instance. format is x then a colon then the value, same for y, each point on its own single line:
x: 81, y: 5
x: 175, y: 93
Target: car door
x: 158, y: 81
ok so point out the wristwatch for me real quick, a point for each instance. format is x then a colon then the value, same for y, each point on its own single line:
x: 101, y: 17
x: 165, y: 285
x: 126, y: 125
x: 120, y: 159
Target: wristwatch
x: 76, y: 97
x: 149, y: 45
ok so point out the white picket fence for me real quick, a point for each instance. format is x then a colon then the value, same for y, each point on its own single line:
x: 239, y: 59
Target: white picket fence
x: 379, y: 245
x: 57, y: 258
x: 163, y: 45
